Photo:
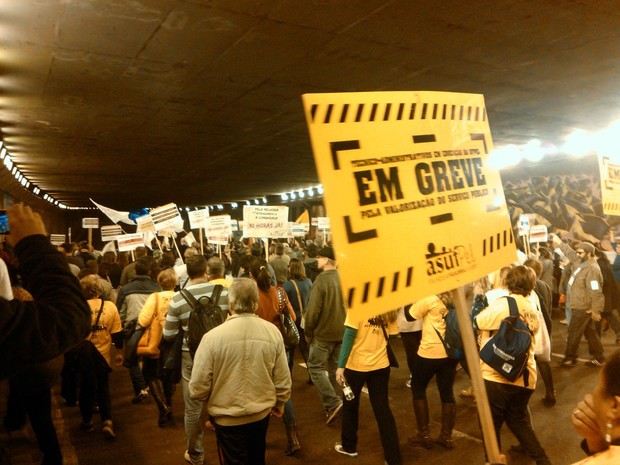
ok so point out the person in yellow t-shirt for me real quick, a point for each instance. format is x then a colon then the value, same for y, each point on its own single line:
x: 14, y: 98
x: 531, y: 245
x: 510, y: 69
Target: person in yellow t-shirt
x: 94, y: 369
x: 152, y: 317
x: 432, y: 360
x: 363, y: 360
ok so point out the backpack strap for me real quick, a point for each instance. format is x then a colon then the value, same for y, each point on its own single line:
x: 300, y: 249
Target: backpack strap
x: 215, y: 295
x: 514, y: 311
x: 189, y: 298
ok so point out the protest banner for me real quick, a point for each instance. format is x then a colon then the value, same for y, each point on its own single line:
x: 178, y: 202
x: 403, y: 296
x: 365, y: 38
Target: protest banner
x: 610, y: 184
x: 110, y: 233
x: 166, y: 216
x: 265, y: 221
x: 411, y: 168
x: 129, y: 242
x: 218, y: 229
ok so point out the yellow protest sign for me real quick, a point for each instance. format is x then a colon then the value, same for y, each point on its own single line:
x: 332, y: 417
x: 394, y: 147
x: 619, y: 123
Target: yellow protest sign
x: 415, y: 208
x: 610, y: 185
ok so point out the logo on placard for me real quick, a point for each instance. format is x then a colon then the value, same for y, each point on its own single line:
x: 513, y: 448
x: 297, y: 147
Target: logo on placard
x: 445, y: 262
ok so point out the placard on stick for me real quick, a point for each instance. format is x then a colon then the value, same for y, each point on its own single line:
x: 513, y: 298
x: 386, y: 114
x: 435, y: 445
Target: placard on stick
x: 128, y: 242
x: 265, y: 221
x: 110, y: 233
x: 406, y: 179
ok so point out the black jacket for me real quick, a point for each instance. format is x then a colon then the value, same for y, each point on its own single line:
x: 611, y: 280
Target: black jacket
x: 58, y: 318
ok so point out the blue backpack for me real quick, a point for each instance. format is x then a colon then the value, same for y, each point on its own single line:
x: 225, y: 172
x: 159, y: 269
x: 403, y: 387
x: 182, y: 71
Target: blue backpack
x: 508, y: 351
x: 452, y: 341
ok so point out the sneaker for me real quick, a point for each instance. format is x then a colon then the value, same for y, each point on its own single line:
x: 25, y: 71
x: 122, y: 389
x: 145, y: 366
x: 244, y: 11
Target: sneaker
x: 595, y: 363
x: 87, y: 426
x: 341, y: 450
x: 187, y: 458
x: 568, y: 363
x: 332, y: 414
x: 139, y: 397
x: 469, y: 392
x: 408, y: 383
x: 108, y: 432
x: 564, y: 321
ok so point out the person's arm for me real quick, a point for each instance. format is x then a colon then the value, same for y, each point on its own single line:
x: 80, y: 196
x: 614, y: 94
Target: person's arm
x: 345, y: 350
x: 281, y: 379
x: 201, y: 381
x: 58, y: 317
x: 148, y: 310
x: 313, y: 311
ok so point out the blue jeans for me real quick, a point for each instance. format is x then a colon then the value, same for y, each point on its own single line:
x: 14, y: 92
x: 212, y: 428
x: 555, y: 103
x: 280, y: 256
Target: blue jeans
x: 192, y: 416
x: 322, y: 353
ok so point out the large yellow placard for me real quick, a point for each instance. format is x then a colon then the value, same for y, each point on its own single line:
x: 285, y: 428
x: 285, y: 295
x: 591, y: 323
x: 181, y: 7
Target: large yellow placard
x: 415, y: 208
x: 610, y: 184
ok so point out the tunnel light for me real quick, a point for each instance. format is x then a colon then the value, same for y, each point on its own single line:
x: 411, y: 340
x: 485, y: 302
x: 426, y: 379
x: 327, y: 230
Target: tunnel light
x: 293, y: 196
x: 320, y: 190
x: 255, y: 201
x: 301, y: 194
x: 2, y: 153
x: 311, y: 192
x: 264, y: 199
x: 284, y: 197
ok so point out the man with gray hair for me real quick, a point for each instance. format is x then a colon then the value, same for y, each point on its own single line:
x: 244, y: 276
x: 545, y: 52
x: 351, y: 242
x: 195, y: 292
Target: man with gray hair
x: 243, y: 348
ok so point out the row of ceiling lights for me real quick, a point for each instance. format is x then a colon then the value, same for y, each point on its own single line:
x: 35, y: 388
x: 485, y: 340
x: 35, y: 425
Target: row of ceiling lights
x: 5, y: 157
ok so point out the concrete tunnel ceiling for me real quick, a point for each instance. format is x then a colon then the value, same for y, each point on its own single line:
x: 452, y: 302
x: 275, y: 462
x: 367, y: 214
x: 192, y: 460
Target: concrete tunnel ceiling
x: 195, y: 102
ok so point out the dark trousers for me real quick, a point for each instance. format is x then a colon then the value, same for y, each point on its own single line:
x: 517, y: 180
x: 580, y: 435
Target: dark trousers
x: 35, y: 402
x: 425, y: 369
x: 377, y: 382
x: 94, y: 387
x: 411, y: 343
x: 509, y: 404
x: 243, y: 444
x: 581, y: 324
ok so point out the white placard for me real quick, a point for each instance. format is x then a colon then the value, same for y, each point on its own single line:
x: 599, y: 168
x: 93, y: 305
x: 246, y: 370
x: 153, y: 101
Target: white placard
x: 128, y: 242
x: 265, y: 221
x: 145, y: 224
x: 300, y: 229
x: 197, y: 218
x: 538, y: 233
x: 234, y: 225
x: 57, y: 239
x: 218, y: 229
x: 323, y: 222
x: 110, y: 233
x: 90, y: 223
x: 166, y: 216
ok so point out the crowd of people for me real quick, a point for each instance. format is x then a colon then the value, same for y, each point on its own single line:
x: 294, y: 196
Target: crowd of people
x: 88, y: 313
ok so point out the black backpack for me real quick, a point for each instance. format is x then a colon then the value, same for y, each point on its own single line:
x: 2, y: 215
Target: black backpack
x: 452, y: 341
x: 206, y: 314
x: 507, y: 352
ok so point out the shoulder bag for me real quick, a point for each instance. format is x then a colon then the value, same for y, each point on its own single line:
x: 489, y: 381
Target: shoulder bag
x: 287, y: 325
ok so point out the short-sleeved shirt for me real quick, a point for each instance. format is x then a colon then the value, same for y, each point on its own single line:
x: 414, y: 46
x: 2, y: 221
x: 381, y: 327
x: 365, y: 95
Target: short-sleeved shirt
x: 489, y: 320
x: 433, y: 312
x: 109, y: 323
x: 369, y: 350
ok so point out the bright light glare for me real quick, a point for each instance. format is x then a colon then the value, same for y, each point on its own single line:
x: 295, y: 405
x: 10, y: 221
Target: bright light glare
x: 578, y: 143
x: 503, y: 157
x: 284, y: 196
x: 608, y: 142
x: 533, y: 151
